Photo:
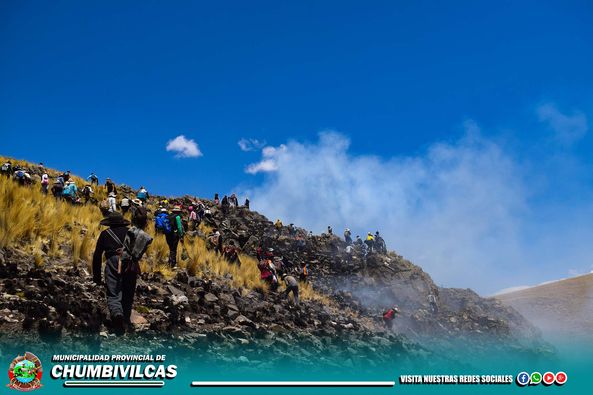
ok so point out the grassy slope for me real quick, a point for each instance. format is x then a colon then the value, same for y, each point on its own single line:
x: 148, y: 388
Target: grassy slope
x: 53, y: 230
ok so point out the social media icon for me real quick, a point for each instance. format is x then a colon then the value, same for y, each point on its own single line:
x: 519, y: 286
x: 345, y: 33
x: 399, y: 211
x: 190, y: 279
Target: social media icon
x: 561, y: 378
x: 536, y: 378
x: 549, y: 378
x: 522, y: 379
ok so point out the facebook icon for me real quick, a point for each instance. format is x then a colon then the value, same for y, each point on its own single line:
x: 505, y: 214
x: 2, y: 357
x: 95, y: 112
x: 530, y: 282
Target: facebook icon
x: 522, y: 379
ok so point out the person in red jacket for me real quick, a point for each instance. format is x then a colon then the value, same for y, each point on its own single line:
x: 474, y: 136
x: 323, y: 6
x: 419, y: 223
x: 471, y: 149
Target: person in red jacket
x: 389, y: 316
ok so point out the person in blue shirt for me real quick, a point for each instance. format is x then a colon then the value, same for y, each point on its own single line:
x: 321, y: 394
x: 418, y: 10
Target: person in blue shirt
x: 142, y: 194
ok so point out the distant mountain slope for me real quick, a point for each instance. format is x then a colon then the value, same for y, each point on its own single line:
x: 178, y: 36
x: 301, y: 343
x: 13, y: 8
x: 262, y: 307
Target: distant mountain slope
x: 563, y: 307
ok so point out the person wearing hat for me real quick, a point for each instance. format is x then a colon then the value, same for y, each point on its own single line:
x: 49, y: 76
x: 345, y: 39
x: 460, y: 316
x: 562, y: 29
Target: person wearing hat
x: 389, y: 316
x: 120, y: 284
x: 135, y: 204
x: 112, y: 202
x: 215, y: 242
x: 348, y: 236
x: 231, y: 253
x: 175, y: 235
x: 110, y: 185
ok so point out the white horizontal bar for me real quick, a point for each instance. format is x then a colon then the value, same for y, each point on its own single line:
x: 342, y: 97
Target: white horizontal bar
x: 293, y: 383
x: 113, y: 383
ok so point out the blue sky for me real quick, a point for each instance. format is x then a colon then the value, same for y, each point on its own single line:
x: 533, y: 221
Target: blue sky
x: 105, y: 86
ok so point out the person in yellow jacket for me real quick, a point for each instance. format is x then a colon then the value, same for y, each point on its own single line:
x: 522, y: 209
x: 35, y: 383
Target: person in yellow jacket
x: 370, y: 242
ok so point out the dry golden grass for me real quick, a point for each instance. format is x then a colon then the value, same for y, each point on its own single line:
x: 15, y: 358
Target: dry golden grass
x: 49, y: 227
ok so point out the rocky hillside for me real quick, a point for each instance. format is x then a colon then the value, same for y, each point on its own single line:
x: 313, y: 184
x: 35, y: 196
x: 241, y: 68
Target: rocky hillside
x: 382, y: 280
x: 52, y: 298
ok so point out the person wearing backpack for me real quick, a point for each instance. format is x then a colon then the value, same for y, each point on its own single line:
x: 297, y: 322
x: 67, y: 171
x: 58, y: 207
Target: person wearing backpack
x: 125, y: 204
x: 123, y: 249
x: 65, y: 176
x: 87, y: 193
x: 119, y: 284
x: 175, y: 234
x: 57, y: 189
x: 161, y: 221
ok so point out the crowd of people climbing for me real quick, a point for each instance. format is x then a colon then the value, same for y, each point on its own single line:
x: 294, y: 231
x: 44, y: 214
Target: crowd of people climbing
x: 125, y: 239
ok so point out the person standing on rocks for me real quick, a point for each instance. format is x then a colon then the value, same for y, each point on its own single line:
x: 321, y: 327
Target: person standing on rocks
x: 234, y: 201
x: 389, y: 316
x: 278, y: 225
x: 225, y: 205
x: 370, y: 242
x: 231, y: 253
x: 246, y: 203
x: 292, y: 285
x: 175, y: 235
x: 216, y: 199
x: 215, y: 241
x: 432, y: 301
x: 348, y: 236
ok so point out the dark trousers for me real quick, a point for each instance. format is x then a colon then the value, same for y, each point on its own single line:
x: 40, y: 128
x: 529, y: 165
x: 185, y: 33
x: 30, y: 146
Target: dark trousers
x: 172, y: 242
x: 120, y: 289
x: 295, y: 293
x: 388, y: 323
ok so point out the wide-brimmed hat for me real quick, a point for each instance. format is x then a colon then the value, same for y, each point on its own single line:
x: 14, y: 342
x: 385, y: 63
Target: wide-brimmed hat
x: 114, y: 218
x: 137, y: 202
x: 111, y: 194
x: 176, y: 208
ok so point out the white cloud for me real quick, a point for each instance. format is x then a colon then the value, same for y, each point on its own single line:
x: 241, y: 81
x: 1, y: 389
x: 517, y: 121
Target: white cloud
x: 250, y: 144
x: 461, y: 210
x: 268, y: 163
x: 567, y: 128
x: 184, y: 147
